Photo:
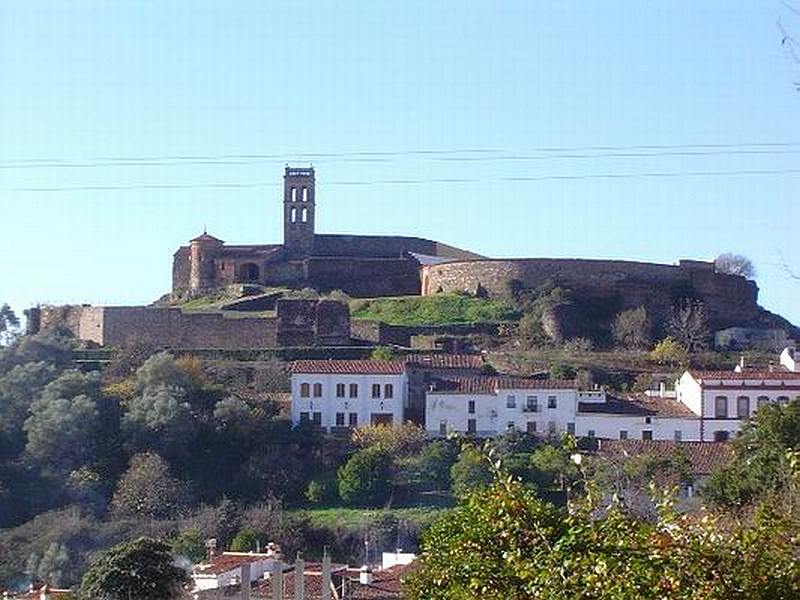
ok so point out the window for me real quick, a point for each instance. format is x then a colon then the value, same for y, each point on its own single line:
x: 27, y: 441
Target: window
x: 340, y: 419
x: 510, y: 426
x: 303, y: 417
x: 551, y: 427
x: 623, y: 434
x: 471, y: 407
x: 590, y: 433
x: 530, y: 427
x: 293, y: 192
x: 783, y: 399
x: 305, y: 194
x: 571, y: 428
x: 472, y: 426
x: 388, y: 391
x: 317, y: 418
x: 376, y: 390
x: 304, y: 215
x: 340, y: 389
x: 317, y: 390
x: 552, y: 402
x: 762, y: 401
x: 443, y: 427
x: 678, y: 435
x: 648, y: 420
x: 721, y: 407
x: 293, y: 215
x: 353, y: 419
x: 532, y: 404
x: 647, y: 434
x: 305, y: 390
x: 354, y: 390
x: 743, y: 407
x: 511, y: 402
x: 721, y: 436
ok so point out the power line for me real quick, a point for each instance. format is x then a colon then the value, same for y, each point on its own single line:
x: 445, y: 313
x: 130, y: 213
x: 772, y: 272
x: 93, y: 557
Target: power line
x: 516, y: 179
x: 652, y: 150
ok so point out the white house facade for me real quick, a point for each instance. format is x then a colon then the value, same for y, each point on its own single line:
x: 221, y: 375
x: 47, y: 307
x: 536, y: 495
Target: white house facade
x: 336, y: 394
x: 487, y: 406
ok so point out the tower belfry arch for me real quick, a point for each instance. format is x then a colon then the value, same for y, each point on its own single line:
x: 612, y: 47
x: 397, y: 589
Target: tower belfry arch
x: 299, y: 208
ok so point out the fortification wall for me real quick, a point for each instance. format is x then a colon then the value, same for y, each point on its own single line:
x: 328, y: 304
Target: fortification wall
x: 298, y: 323
x: 385, y: 246
x: 365, y: 277
x: 610, y: 285
x: 181, y: 268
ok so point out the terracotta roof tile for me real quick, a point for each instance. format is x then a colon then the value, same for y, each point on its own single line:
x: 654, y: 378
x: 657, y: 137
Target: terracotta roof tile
x: 638, y: 404
x: 386, y: 584
x: 759, y: 375
x: 703, y: 457
x: 348, y: 367
x: 446, y: 361
x: 491, y: 385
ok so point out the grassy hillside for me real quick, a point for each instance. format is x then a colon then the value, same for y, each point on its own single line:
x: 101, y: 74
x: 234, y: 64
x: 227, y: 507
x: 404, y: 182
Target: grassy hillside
x: 441, y: 309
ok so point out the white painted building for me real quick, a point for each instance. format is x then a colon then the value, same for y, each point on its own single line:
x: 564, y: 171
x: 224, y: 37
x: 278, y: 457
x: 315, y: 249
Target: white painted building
x: 348, y: 393
x: 725, y: 400
x: 487, y: 406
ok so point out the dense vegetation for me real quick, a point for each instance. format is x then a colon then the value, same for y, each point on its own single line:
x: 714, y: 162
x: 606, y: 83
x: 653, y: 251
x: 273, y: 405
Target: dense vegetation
x: 441, y: 309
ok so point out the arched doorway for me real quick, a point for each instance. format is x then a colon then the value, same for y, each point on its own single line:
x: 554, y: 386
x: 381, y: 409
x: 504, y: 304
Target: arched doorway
x: 249, y: 272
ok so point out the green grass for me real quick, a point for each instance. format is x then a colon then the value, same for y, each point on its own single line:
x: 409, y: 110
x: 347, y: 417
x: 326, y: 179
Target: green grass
x: 441, y: 309
x: 355, y: 517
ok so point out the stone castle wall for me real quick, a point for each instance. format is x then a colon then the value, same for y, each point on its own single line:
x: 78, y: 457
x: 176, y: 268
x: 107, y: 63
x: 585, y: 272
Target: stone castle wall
x: 365, y: 277
x: 608, y: 284
x: 322, y: 323
x: 384, y: 246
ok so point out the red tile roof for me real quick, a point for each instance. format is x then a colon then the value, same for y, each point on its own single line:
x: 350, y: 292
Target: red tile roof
x: 638, y: 404
x: 229, y: 562
x: 760, y: 375
x: 491, y: 385
x: 386, y: 584
x: 703, y: 457
x: 348, y: 367
x: 446, y: 361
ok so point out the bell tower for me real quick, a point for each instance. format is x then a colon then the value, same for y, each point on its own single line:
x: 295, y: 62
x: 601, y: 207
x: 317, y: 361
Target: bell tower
x: 298, y: 211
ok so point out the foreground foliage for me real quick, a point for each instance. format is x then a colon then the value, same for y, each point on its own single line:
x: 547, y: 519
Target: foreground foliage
x: 505, y: 543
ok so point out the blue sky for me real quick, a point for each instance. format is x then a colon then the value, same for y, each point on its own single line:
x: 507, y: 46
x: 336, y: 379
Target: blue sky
x: 515, y: 98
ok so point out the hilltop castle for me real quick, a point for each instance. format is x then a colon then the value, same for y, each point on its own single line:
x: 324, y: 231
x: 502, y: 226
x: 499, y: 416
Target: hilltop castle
x: 370, y: 266
x: 359, y: 265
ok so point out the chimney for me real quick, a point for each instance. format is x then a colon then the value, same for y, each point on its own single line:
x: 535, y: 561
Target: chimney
x: 326, y: 575
x: 662, y: 390
x: 365, y: 575
x: 246, y: 581
x: 299, y: 578
x: 771, y: 366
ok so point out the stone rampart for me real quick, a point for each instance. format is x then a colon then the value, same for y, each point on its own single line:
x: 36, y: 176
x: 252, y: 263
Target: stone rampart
x: 324, y: 323
x: 365, y: 277
x: 384, y: 246
x: 608, y: 284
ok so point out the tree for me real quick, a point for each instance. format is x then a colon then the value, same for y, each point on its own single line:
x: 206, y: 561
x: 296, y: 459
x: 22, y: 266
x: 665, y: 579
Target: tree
x: 505, y: 543
x: 631, y: 329
x: 160, y: 418
x: 562, y: 371
x: 762, y: 464
x: 669, y: 352
x: 735, y: 264
x: 365, y: 479
x: 189, y: 544
x: 470, y: 472
x: 245, y: 541
x: 400, y: 442
x: 63, y: 425
x: 382, y: 353
x: 9, y: 325
x: 688, y: 324
x: 18, y: 389
x: 147, y: 489
x: 143, y: 569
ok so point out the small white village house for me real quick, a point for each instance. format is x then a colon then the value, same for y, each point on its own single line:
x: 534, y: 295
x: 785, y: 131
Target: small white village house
x: 348, y: 393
